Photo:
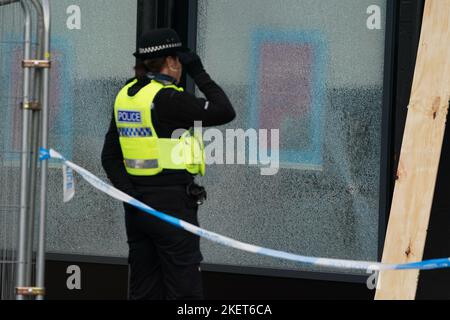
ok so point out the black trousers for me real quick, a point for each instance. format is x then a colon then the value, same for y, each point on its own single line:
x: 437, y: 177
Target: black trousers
x: 164, y: 261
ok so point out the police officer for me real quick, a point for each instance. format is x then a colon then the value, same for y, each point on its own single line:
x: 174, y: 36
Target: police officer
x: 143, y: 159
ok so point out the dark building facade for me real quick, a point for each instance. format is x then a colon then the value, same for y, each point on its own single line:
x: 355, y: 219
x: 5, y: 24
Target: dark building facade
x: 334, y: 77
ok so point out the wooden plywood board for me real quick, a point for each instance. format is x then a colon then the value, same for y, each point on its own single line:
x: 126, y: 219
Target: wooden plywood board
x: 420, y: 155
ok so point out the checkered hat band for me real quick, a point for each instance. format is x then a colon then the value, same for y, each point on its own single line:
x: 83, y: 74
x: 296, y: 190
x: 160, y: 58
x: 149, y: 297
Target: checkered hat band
x: 159, y: 48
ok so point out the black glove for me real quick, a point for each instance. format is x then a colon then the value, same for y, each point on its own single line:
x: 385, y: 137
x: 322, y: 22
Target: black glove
x: 192, y: 63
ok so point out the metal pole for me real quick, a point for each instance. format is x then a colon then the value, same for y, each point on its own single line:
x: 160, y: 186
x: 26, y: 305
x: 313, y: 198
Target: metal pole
x: 40, y: 261
x: 35, y: 123
x: 22, y: 248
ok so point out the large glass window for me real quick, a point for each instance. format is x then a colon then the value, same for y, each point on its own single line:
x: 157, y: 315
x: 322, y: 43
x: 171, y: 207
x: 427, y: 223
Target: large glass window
x: 313, y: 70
x: 92, y: 46
x: 92, y: 63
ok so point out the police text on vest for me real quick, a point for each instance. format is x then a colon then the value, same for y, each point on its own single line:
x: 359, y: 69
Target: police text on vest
x: 129, y: 116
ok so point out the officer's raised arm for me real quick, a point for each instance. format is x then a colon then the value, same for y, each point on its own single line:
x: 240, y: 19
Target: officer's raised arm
x: 185, y: 108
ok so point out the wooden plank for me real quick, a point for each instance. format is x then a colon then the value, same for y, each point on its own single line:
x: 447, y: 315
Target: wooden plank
x: 420, y: 155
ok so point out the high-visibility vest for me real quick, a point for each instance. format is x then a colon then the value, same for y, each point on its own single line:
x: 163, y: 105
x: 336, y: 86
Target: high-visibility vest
x: 144, y: 153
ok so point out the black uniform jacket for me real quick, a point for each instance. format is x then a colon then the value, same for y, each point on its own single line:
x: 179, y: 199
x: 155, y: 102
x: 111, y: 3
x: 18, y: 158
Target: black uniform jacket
x: 172, y: 110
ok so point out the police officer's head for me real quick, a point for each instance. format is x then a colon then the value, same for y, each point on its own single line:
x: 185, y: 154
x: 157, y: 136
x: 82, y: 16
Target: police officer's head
x: 157, y: 52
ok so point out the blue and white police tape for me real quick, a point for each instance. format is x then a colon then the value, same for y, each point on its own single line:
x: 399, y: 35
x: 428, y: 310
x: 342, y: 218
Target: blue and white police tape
x: 229, y: 242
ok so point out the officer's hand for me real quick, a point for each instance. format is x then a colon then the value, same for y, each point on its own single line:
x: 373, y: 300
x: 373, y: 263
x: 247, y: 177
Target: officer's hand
x: 191, y: 62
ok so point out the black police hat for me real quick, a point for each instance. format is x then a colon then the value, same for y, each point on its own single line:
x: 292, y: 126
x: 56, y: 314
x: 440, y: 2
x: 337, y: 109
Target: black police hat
x: 159, y: 43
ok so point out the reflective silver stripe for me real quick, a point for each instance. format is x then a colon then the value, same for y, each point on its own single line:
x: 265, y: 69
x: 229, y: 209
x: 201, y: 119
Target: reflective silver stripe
x: 141, y: 164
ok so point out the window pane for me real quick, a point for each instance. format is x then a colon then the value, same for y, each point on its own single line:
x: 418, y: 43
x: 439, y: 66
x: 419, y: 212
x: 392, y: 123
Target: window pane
x: 92, y: 46
x: 92, y: 64
x: 313, y: 70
